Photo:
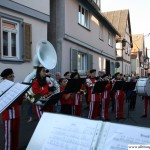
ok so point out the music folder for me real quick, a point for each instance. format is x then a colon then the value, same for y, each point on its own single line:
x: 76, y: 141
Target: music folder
x: 99, y: 87
x: 118, y: 85
x: 74, y: 85
x: 129, y: 86
x: 64, y: 132
x: 53, y: 99
x: 13, y: 94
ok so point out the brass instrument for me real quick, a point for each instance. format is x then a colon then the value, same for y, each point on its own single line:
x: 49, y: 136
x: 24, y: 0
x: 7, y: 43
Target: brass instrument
x: 84, y: 91
x: 33, y: 98
x: 45, y: 56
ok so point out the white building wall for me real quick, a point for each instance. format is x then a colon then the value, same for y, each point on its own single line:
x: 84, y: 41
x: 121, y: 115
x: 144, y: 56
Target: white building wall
x: 39, y: 32
x: 88, y: 36
x: 39, y: 5
x: 99, y: 61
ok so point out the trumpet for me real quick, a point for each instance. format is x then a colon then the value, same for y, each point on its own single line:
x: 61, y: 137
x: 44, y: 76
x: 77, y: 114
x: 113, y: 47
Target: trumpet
x: 89, y: 83
x: 84, y: 91
x: 33, y: 98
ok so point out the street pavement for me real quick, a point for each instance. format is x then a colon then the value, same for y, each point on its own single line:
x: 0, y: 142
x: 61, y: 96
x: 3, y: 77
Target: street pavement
x: 27, y: 129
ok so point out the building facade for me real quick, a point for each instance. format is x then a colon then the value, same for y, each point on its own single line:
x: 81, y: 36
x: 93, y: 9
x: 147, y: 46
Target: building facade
x: 120, y: 19
x: 139, y: 57
x: 82, y: 36
x: 22, y: 24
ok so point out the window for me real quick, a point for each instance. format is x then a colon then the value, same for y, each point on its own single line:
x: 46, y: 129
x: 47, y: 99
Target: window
x: 110, y: 39
x: 100, y: 31
x: 83, y: 17
x: 10, y: 39
x: 16, y: 39
x: 82, y: 59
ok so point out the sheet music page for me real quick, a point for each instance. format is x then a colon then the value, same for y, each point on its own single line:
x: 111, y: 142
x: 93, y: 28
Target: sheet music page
x: 65, y: 133
x: 8, y: 97
x: 118, y: 137
x: 5, y: 85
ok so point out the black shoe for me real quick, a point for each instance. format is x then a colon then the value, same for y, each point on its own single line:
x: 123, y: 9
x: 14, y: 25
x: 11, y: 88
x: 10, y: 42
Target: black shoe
x: 107, y: 120
x: 143, y: 116
x: 122, y: 118
x: 117, y: 118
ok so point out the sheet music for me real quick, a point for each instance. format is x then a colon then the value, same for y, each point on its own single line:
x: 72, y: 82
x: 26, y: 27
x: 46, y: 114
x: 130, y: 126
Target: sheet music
x: 118, y: 137
x: 65, y: 133
x: 8, y: 97
x: 5, y: 85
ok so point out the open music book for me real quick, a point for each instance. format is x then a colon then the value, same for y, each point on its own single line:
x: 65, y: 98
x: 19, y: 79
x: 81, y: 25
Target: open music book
x: 5, y: 85
x: 62, y: 132
x: 10, y: 92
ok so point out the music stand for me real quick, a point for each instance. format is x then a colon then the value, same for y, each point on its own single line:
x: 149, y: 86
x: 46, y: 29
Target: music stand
x: 99, y: 87
x: 129, y: 86
x: 73, y: 85
x: 118, y: 85
x: 53, y: 99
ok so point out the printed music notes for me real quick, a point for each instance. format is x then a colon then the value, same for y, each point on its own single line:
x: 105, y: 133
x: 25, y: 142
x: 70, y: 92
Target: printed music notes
x: 118, y: 136
x: 5, y: 85
x: 62, y: 132
x: 11, y: 95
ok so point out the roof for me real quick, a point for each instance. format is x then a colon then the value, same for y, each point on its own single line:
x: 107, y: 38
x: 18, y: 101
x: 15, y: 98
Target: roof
x: 138, y: 41
x: 119, y: 19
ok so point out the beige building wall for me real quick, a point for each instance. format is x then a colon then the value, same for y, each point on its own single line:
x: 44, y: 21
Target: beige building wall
x: 39, y: 5
x: 39, y: 32
x: 88, y: 37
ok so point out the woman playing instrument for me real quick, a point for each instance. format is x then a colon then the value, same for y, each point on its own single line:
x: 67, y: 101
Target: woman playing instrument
x: 11, y: 117
x: 105, y: 99
x: 40, y: 86
x: 93, y: 99
x: 119, y: 99
x: 77, y: 103
x: 67, y: 99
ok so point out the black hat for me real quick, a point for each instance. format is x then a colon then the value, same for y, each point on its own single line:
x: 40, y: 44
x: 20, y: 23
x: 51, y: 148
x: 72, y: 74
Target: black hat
x: 117, y: 73
x: 66, y: 73
x: 6, y: 72
x: 92, y: 70
x: 103, y: 76
x: 73, y: 74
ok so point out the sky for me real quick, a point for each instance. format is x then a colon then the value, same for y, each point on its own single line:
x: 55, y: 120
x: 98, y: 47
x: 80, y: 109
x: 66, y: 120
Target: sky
x: 139, y: 15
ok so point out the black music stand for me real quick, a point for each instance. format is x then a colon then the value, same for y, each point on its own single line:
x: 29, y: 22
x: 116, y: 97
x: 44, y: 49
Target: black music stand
x: 129, y: 86
x: 99, y: 87
x: 118, y: 85
x: 74, y: 85
x: 53, y: 99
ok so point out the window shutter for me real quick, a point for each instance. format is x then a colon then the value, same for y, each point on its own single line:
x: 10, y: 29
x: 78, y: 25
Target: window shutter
x: 74, y: 59
x: 0, y: 38
x: 90, y: 62
x: 27, y: 42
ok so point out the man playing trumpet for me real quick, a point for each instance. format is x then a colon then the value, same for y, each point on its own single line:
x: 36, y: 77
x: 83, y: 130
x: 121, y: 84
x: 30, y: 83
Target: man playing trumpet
x: 92, y: 98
